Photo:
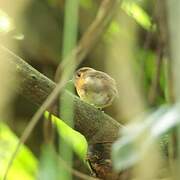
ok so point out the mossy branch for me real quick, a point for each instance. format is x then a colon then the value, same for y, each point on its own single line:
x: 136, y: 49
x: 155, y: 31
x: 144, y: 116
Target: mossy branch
x: 95, y: 125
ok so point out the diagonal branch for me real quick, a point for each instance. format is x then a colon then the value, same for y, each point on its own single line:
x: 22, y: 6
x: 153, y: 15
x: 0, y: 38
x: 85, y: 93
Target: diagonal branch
x: 95, y: 125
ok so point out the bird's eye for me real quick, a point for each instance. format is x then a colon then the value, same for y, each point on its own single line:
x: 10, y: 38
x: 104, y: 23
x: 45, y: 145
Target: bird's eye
x: 78, y: 74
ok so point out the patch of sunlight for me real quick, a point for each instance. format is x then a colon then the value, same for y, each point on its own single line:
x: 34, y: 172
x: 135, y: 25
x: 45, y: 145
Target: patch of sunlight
x: 5, y: 23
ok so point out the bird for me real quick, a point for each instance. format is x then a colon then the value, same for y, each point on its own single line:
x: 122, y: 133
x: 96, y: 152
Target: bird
x: 95, y: 87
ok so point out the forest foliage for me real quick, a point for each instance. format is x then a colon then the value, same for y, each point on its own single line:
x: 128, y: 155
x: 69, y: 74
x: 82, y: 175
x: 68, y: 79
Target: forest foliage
x: 136, y: 48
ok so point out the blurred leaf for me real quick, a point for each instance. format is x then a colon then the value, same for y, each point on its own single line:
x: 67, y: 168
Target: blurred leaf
x: 138, y: 13
x: 150, y: 64
x: 87, y: 4
x: 76, y: 140
x: 25, y: 163
x: 134, y: 11
x: 138, y: 137
x: 146, y: 66
x: 48, y: 168
x: 113, y: 29
x: 18, y: 36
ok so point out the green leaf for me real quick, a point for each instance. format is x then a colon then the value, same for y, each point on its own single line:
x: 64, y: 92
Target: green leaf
x: 76, y: 140
x: 138, y: 13
x: 138, y: 137
x: 25, y: 164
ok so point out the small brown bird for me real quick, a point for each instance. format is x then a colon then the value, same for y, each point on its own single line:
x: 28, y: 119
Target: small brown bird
x: 95, y: 87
